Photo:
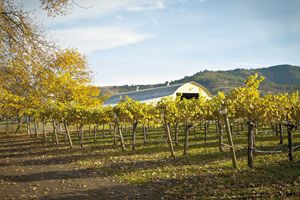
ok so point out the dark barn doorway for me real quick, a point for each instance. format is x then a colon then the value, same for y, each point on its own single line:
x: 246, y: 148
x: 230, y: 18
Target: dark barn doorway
x: 188, y: 95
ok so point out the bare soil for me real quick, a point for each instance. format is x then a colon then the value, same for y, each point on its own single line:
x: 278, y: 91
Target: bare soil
x: 31, y: 169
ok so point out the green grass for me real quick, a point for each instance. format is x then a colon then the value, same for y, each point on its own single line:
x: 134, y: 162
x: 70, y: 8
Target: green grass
x: 205, y: 170
x: 205, y: 173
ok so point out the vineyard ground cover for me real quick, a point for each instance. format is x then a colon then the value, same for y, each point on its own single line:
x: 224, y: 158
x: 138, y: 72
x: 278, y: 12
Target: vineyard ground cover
x: 31, y: 169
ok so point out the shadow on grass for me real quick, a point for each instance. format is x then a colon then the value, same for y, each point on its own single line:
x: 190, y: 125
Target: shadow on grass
x: 22, y: 141
x: 48, y: 149
x: 28, y: 147
x: 118, y: 192
x: 92, y: 151
x: 51, y: 175
x: 106, y: 170
x: 275, y: 181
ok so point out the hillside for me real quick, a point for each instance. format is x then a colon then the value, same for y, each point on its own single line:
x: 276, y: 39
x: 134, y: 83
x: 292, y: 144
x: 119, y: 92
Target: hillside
x: 279, y: 78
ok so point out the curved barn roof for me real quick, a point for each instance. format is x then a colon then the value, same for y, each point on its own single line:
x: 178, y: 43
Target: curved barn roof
x: 144, y: 95
x: 151, y: 93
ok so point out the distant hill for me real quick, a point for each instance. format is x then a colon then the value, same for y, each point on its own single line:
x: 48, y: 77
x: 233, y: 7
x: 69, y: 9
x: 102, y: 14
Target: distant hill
x: 279, y: 78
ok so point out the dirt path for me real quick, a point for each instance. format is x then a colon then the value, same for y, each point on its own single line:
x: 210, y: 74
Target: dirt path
x: 29, y: 169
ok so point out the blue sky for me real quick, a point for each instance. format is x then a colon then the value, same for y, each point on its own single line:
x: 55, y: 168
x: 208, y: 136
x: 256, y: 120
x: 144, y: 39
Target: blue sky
x: 153, y: 41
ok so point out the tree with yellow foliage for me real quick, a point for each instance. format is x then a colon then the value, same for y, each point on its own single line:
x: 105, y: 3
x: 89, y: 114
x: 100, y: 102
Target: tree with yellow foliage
x: 245, y: 103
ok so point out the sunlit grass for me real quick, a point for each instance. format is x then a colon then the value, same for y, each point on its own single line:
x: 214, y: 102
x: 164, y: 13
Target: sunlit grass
x: 204, y: 171
x: 204, y: 167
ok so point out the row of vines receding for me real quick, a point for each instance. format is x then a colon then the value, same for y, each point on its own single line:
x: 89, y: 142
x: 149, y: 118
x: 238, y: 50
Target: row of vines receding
x: 243, y: 108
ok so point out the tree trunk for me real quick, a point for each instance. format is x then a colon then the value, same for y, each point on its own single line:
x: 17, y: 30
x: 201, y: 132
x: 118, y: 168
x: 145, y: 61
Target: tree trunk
x: 90, y: 130
x: 205, y: 131
x: 95, y: 131
x: 290, y: 140
x: 121, y: 136
x: 168, y: 132
x: 186, y: 138
x: 60, y: 128
x: 134, y: 126
x: 44, y: 130
x: 145, y: 132
x: 103, y: 130
x: 115, y: 134
x: 81, y: 134
x: 280, y: 134
x: 276, y: 129
x: 176, y: 134
x: 55, y: 132
x: 251, y: 127
x: 18, y: 122
x: 28, y: 125
x: 68, y: 134
x: 230, y: 141
x: 35, y: 128
x: 7, y: 126
x: 220, y: 136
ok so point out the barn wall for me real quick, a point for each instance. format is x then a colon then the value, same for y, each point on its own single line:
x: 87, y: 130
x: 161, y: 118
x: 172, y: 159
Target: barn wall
x: 192, y: 88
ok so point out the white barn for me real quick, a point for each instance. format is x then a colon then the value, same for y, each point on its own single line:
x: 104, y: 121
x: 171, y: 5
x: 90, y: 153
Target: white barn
x: 153, y: 95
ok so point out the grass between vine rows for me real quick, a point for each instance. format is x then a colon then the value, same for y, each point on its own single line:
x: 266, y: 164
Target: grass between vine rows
x: 205, y: 170
x: 205, y: 173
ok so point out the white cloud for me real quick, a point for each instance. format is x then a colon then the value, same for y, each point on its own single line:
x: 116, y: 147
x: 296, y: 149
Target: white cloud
x: 92, y: 9
x: 184, y: 1
x: 91, y: 39
x: 141, y: 5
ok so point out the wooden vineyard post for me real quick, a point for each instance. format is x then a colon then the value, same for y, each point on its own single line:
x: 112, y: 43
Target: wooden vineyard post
x: 280, y: 134
x: 145, y: 131
x: 81, y: 134
x: 68, y: 134
x: 186, y: 138
x: 220, y: 136
x: 134, y: 126
x: 121, y: 137
x: 205, y: 130
x: 95, y: 132
x: 119, y: 129
x: 7, y: 125
x: 35, y: 128
x: 229, y: 136
x: 103, y: 130
x: 290, y: 140
x: 169, y: 140
x: 55, y: 132
x: 115, y: 134
x: 28, y: 126
x: 251, y: 127
x: 44, y: 129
